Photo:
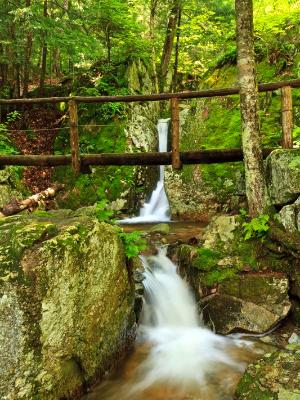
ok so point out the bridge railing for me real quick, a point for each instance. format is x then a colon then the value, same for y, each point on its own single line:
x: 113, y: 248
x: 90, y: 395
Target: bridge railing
x: 81, y: 162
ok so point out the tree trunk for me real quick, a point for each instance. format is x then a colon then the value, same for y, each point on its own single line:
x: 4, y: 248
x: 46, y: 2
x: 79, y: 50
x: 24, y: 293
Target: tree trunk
x: 168, y: 45
x: 255, y: 182
x: 175, y: 73
x: 153, y: 6
x: 27, y: 54
x: 44, y: 54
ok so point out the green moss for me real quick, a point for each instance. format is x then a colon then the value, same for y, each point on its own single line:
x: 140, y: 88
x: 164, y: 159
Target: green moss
x: 249, y: 389
x: 206, y: 259
x: 219, y: 275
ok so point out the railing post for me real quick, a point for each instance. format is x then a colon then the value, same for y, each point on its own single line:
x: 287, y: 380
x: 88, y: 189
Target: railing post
x: 287, y: 117
x: 176, y: 162
x: 74, y: 136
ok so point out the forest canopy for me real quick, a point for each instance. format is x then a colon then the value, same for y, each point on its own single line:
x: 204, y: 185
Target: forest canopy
x: 42, y: 41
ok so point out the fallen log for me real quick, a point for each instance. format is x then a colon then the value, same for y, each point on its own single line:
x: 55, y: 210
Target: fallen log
x: 16, y: 206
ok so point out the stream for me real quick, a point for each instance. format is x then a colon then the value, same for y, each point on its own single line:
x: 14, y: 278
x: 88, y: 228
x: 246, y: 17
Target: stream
x: 176, y: 356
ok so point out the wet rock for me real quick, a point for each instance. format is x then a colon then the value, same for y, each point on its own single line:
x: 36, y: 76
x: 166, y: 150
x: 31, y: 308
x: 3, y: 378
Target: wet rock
x: 283, y: 166
x: 251, y: 302
x: 66, y: 305
x: 163, y: 229
x: 275, y: 376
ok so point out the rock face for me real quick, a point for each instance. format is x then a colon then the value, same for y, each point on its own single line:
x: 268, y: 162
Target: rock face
x: 66, y: 305
x: 250, y: 302
x: 274, y: 377
x: 283, y: 176
x: 290, y: 217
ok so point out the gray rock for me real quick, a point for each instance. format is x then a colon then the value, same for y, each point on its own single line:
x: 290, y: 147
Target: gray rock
x: 290, y: 217
x: 283, y: 175
x: 221, y: 228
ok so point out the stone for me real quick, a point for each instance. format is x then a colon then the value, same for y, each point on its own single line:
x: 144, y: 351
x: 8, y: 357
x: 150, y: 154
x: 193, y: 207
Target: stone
x: 290, y: 217
x: 163, y: 229
x: 282, y: 167
x: 66, y: 305
x: 222, y: 228
x: 294, y: 338
x: 295, y: 312
x: 274, y: 376
x: 250, y: 302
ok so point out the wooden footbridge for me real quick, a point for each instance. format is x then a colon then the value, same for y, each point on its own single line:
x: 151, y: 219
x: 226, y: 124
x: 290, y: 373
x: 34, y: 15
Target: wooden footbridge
x: 81, y: 162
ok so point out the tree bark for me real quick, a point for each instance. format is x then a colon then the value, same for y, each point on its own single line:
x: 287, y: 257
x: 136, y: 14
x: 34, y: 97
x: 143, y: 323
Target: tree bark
x: 175, y: 73
x: 27, y: 54
x: 44, y: 54
x: 168, y: 45
x: 153, y: 7
x: 251, y: 140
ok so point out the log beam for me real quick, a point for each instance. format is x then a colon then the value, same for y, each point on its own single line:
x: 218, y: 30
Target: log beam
x: 155, y: 158
x: 176, y: 163
x: 263, y: 87
x: 74, y: 137
x: 287, y: 117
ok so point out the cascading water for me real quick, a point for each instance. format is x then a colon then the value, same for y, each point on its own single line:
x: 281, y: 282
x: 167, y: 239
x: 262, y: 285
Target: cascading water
x: 158, y: 207
x: 177, y: 357
x: 183, y: 353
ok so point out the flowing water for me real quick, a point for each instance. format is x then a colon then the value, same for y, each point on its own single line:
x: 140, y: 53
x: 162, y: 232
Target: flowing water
x: 176, y: 356
x: 158, y: 207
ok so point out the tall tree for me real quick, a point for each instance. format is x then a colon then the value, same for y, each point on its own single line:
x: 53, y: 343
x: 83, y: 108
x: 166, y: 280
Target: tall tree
x: 169, y: 42
x: 255, y: 183
x: 44, y: 53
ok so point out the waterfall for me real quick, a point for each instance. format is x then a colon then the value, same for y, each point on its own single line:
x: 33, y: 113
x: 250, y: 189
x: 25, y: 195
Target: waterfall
x: 158, y: 207
x: 183, y: 351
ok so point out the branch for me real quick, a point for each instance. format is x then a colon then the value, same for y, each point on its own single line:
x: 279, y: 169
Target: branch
x: 16, y: 206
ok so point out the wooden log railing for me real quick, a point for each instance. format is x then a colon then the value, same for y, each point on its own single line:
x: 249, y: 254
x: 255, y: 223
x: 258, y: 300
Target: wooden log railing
x: 81, y: 163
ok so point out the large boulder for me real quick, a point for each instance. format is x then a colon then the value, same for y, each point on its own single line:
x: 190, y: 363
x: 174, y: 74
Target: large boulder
x: 66, y: 305
x: 276, y: 376
x: 283, y: 176
x: 249, y: 302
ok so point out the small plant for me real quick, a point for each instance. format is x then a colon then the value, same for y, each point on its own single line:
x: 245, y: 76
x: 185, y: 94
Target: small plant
x: 102, y: 212
x: 257, y: 228
x: 133, y: 243
x: 6, y: 147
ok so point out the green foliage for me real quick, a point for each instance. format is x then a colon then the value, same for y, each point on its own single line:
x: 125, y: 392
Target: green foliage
x: 102, y: 212
x: 257, y: 228
x: 6, y: 146
x: 207, y: 261
x: 133, y: 243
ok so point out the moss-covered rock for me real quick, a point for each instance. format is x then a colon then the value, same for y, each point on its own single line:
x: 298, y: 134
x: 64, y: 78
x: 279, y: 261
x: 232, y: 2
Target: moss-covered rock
x: 249, y: 302
x: 66, y: 304
x: 274, y: 377
x: 282, y: 167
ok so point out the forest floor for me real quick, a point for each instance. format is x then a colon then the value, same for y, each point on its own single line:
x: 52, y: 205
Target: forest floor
x: 34, y: 133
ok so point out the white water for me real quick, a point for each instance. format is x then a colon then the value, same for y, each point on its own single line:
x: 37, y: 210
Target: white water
x: 157, y: 210
x: 183, y: 351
